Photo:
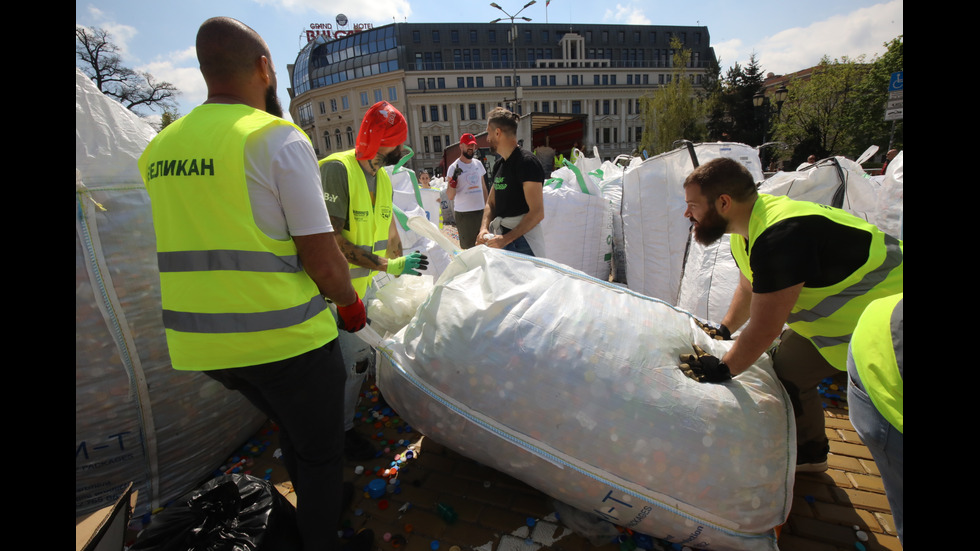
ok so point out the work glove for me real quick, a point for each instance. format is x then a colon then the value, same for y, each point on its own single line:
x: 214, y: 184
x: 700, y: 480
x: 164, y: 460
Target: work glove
x: 353, y: 317
x: 703, y: 367
x: 452, y: 179
x: 720, y: 333
x: 408, y: 264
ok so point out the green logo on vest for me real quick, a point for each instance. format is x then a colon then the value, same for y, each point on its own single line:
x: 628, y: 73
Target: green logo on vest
x: 498, y: 183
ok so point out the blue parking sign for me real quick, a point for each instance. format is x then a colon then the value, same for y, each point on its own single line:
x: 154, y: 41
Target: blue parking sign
x: 895, y: 82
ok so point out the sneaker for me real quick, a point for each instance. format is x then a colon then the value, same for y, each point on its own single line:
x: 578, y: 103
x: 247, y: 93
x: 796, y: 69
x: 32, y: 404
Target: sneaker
x: 811, y: 457
x: 362, y: 541
x: 357, y: 447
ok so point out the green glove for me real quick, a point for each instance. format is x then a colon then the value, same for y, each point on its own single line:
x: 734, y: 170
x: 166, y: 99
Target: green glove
x: 408, y: 264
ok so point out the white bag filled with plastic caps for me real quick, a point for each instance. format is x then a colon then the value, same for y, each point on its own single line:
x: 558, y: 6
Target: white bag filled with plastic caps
x: 408, y: 193
x: 136, y: 418
x: 655, y: 230
x: 571, y: 385
x: 611, y: 186
x: 417, y: 238
x: 577, y: 225
x: 711, y: 275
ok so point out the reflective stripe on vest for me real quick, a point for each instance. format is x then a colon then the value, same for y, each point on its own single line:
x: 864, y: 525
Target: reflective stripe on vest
x: 827, y: 315
x: 369, y: 223
x: 877, y: 350
x: 231, y: 295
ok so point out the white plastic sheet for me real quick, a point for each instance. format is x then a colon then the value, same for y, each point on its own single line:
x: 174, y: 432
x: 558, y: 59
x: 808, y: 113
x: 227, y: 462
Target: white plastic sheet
x: 571, y: 385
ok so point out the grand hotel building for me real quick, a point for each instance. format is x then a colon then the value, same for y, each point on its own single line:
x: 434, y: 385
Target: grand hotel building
x: 446, y: 77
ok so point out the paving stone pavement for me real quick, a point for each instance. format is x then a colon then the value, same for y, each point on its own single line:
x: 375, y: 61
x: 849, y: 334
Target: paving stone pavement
x: 495, y: 512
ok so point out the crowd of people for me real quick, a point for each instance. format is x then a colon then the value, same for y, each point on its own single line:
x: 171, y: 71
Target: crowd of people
x: 266, y: 255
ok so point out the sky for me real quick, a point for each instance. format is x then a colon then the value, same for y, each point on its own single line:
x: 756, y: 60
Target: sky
x: 158, y: 37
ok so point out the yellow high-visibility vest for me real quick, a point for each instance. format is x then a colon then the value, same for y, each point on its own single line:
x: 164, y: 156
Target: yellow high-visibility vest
x: 877, y: 349
x: 369, y: 221
x: 827, y: 315
x: 231, y: 295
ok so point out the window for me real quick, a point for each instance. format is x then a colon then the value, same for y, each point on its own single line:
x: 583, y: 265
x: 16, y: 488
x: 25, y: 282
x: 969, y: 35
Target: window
x: 551, y: 80
x: 576, y: 107
x: 425, y: 140
x: 350, y: 137
x: 435, y: 36
x: 323, y: 107
x: 344, y: 102
x: 337, y: 140
x: 472, y: 36
x: 423, y: 114
x: 462, y: 112
x: 434, y: 112
x: 431, y: 83
x: 326, y: 140
x: 437, y: 144
x: 377, y: 95
x: 392, y: 94
x: 492, y: 35
x: 454, y: 36
x: 421, y: 84
x: 445, y: 113
x: 442, y: 82
x: 479, y: 82
x: 472, y: 108
x: 416, y: 37
x: 534, y: 80
x: 469, y: 82
x: 364, y: 98
x: 459, y: 82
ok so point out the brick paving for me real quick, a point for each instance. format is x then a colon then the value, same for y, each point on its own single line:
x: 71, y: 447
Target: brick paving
x: 495, y: 512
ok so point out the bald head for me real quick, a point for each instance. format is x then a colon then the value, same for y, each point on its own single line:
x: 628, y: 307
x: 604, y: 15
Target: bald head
x: 228, y: 51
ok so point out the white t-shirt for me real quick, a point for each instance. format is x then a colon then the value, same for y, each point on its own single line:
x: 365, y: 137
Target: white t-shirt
x: 469, y: 187
x: 283, y: 181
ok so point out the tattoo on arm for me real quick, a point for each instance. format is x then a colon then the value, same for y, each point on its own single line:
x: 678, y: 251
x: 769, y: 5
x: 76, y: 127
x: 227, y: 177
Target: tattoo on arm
x: 355, y: 255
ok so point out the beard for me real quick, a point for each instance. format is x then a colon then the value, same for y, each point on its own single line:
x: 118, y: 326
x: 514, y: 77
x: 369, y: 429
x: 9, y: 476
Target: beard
x: 468, y: 154
x: 392, y: 157
x: 711, y: 228
x: 272, y: 105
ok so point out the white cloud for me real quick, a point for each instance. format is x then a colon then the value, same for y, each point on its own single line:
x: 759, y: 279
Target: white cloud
x: 626, y: 14
x: 862, y: 31
x: 180, y: 68
x: 355, y: 10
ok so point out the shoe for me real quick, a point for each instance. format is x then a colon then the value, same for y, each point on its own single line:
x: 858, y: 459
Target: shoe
x: 362, y: 541
x: 811, y: 457
x: 357, y: 447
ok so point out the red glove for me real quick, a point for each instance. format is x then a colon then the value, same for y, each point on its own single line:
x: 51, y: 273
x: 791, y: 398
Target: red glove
x: 353, y: 317
x: 452, y: 183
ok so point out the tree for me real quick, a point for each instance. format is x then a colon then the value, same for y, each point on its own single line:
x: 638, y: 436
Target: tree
x: 869, y: 106
x: 98, y: 57
x: 818, y: 116
x: 676, y: 110
x: 732, y: 116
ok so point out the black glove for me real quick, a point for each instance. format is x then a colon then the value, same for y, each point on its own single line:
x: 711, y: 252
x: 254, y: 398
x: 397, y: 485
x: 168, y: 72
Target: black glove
x: 703, y: 367
x: 720, y: 333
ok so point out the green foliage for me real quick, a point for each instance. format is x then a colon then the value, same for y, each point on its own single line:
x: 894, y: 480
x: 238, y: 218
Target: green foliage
x: 840, y: 109
x: 674, y: 111
x: 732, y: 116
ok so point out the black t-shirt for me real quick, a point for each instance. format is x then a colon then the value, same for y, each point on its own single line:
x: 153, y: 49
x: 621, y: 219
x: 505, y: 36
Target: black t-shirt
x: 508, y: 180
x: 813, y: 250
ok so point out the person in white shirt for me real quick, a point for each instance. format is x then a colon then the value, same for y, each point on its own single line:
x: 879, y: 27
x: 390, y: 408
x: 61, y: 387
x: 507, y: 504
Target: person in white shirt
x: 467, y: 191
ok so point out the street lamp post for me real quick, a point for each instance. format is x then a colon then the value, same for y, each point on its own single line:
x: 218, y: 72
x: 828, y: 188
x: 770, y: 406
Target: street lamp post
x: 513, y: 40
x: 760, y: 100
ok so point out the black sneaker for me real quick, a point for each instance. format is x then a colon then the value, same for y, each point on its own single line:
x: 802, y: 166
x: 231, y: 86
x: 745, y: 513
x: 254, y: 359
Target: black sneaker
x: 362, y: 541
x: 811, y: 457
x: 357, y: 447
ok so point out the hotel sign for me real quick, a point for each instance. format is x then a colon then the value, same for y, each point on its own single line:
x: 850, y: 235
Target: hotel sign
x: 342, y: 29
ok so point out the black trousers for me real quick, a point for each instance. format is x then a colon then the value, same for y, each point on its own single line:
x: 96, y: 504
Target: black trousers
x: 304, y: 395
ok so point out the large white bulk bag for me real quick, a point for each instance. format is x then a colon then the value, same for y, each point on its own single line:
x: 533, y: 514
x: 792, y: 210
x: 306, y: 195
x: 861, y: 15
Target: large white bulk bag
x: 611, y: 186
x: 407, y: 193
x: 577, y: 225
x: 655, y: 230
x: 571, y: 385
x: 136, y: 418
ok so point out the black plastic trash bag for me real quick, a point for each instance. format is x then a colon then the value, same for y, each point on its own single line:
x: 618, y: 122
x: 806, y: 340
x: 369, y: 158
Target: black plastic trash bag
x: 234, y: 512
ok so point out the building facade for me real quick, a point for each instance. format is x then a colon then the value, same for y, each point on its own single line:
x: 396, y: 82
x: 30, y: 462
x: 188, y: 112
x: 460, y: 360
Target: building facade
x: 446, y: 77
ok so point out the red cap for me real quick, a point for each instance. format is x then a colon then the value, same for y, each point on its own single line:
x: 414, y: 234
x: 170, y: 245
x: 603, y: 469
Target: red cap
x: 467, y: 139
x: 382, y: 126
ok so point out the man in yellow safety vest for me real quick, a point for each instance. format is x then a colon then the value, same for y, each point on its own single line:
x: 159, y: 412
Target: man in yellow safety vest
x: 248, y: 260
x: 806, y: 265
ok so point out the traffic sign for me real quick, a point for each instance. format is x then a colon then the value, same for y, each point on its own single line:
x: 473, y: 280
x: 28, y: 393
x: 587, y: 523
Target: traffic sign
x: 895, y: 82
